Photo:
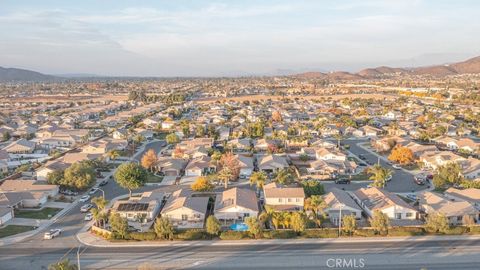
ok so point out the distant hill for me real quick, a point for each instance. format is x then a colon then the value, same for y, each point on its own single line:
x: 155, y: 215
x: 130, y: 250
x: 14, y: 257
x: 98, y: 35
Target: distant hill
x: 22, y: 75
x: 471, y: 66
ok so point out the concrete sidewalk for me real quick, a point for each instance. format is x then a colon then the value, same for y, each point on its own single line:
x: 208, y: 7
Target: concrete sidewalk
x: 90, y: 239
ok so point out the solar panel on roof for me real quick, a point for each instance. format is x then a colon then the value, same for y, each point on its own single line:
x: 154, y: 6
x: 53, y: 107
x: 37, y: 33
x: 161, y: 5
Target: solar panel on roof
x: 127, y: 207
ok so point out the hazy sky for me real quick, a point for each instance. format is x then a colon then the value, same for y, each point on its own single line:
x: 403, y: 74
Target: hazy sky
x: 217, y: 38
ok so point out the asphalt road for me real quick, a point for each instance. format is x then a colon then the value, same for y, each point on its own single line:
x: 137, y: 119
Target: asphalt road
x: 401, y: 181
x: 438, y: 254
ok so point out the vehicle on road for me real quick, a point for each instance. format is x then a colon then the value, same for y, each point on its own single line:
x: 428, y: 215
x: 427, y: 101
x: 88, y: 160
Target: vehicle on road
x: 84, y: 198
x: 362, y: 157
x: 412, y: 196
x: 396, y: 166
x: 342, y: 181
x: 103, y: 183
x: 88, y: 217
x: 389, y: 178
x: 420, y: 179
x: 85, y: 208
x: 92, y: 191
x: 52, y: 234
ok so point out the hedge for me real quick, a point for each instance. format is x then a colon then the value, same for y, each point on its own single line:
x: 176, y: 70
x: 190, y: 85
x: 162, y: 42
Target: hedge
x: 475, y: 230
x: 365, y: 233
x: 406, y: 231
x: 233, y: 235
x: 193, y: 234
x: 283, y: 234
x: 320, y: 233
x: 456, y: 230
x: 142, y: 236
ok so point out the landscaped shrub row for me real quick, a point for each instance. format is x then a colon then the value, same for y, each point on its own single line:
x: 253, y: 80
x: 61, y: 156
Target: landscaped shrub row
x: 200, y: 234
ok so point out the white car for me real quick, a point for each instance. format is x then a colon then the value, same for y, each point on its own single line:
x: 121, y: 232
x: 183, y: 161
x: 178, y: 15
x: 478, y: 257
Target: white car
x: 52, y: 234
x: 88, y: 217
x: 84, y: 198
x: 396, y: 166
x: 92, y: 191
x: 86, y: 208
x: 389, y: 178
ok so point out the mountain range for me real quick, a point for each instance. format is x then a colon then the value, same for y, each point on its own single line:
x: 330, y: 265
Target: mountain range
x: 470, y: 66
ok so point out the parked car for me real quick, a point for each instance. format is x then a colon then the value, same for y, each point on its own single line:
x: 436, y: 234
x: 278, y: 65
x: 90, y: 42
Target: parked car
x: 103, y: 183
x: 389, y: 178
x: 84, y: 198
x: 420, y: 179
x: 412, y: 196
x: 88, y: 217
x: 396, y: 166
x: 52, y: 234
x: 92, y: 191
x: 85, y: 208
x: 362, y: 157
x: 342, y: 181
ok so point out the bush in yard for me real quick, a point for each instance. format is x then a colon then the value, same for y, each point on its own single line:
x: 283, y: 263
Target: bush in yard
x: 380, y: 222
x: 456, y: 230
x: 119, y: 226
x: 163, y: 228
x: 436, y: 223
x: 349, y: 224
x: 142, y: 236
x: 254, y: 227
x: 474, y: 229
x: 213, y: 226
x: 233, y: 235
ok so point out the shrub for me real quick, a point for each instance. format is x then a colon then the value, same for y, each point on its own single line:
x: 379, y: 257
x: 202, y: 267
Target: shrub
x: 143, y: 236
x: 365, y: 232
x: 283, y: 234
x: 456, y: 230
x: 233, y: 235
x: 320, y: 233
x: 475, y: 229
x: 193, y: 234
x: 406, y: 231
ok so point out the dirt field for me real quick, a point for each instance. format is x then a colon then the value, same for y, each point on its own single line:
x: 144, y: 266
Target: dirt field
x: 263, y: 97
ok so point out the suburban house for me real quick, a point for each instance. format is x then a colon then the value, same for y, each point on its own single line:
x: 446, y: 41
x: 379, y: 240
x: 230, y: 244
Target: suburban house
x: 184, y: 210
x: 283, y: 198
x: 200, y: 166
x: 170, y: 166
x: 235, y: 204
x: 371, y: 199
x: 454, y: 210
x: 49, y: 167
x: 21, y: 146
x: 329, y: 154
x: 337, y: 201
x: 471, y: 195
x: 433, y: 160
x: 246, y: 165
x: 240, y: 145
x: 142, y: 209
x: 272, y: 163
x: 27, y: 193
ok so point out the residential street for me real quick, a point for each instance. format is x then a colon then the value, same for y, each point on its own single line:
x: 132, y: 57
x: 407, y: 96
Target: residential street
x: 401, y: 182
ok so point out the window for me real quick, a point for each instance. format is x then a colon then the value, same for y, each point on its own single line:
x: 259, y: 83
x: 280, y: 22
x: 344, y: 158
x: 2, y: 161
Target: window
x: 398, y: 215
x: 297, y: 200
x: 280, y: 200
x: 459, y: 218
x: 409, y: 215
x: 289, y: 199
x: 184, y: 217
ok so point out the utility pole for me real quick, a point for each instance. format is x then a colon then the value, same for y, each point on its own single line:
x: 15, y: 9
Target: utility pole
x: 78, y: 257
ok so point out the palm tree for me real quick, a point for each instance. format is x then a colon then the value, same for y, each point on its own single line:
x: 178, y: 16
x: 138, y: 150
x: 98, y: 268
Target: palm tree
x: 379, y: 175
x: 225, y: 175
x: 284, y: 177
x: 316, y: 205
x: 99, y: 212
x: 113, y: 154
x: 96, y: 215
x: 258, y: 178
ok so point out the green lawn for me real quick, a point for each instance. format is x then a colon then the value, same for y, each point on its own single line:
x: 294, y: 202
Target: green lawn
x: 357, y: 177
x: 14, y: 229
x: 37, y: 214
x: 151, y: 178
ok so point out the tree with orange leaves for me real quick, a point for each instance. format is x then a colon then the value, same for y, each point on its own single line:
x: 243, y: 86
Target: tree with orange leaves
x: 276, y: 116
x: 401, y: 155
x: 149, y: 159
x: 230, y: 161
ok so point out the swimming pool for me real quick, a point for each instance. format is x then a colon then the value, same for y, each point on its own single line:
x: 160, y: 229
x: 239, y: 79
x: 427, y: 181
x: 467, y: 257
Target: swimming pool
x: 239, y: 227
